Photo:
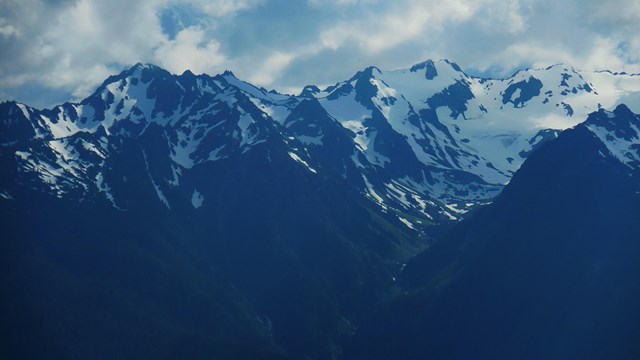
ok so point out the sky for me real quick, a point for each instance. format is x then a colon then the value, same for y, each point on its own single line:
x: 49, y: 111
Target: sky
x: 56, y: 51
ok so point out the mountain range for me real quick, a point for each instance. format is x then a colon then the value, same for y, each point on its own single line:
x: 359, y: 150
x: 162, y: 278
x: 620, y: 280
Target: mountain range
x: 429, y: 141
x: 548, y: 271
x: 180, y: 215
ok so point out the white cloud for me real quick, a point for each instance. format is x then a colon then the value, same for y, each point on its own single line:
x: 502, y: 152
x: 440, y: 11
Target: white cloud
x: 72, y: 45
x: 7, y: 30
x: 271, y: 68
x: 75, y: 46
x: 612, y: 11
x: 190, y: 50
x: 504, y: 16
x: 379, y: 32
x: 221, y: 8
x: 330, y: 3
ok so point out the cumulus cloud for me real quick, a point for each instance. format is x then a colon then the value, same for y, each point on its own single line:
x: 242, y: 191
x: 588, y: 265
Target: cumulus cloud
x: 331, y: 3
x: 271, y: 68
x: 218, y: 8
x: 7, y: 30
x: 68, y: 47
x: 381, y: 32
x: 73, y: 46
x: 190, y: 50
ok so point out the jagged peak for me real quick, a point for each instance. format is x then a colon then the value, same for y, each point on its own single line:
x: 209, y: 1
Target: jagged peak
x: 311, y: 88
x: 12, y: 106
x: 10, y: 103
x: 621, y: 116
x: 229, y: 73
x: 429, y: 67
x: 188, y: 73
x: 622, y: 109
x: 452, y: 64
x: 559, y: 67
x: 432, y: 67
x: 371, y: 69
x: 624, y: 112
x: 367, y: 72
x: 143, y: 66
x: 309, y: 91
x: 141, y: 70
x: 421, y: 65
x: 619, y: 131
x: 138, y: 71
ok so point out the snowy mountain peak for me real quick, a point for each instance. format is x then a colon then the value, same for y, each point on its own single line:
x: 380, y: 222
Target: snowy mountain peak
x: 188, y: 73
x: 143, y: 66
x: 429, y: 140
x: 229, y: 73
x: 429, y: 67
x: 309, y: 91
x: 369, y: 72
x: 619, y: 131
x: 144, y: 72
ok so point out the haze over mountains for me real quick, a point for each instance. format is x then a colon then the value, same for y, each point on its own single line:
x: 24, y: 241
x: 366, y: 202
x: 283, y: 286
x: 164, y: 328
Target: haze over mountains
x: 205, y: 213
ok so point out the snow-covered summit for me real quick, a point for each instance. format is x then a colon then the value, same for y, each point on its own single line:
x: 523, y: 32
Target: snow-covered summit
x: 619, y: 131
x: 428, y: 140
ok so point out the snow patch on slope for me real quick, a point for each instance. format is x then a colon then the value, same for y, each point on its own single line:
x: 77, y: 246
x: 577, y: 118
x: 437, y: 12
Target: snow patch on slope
x: 196, y: 199
x: 299, y: 160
